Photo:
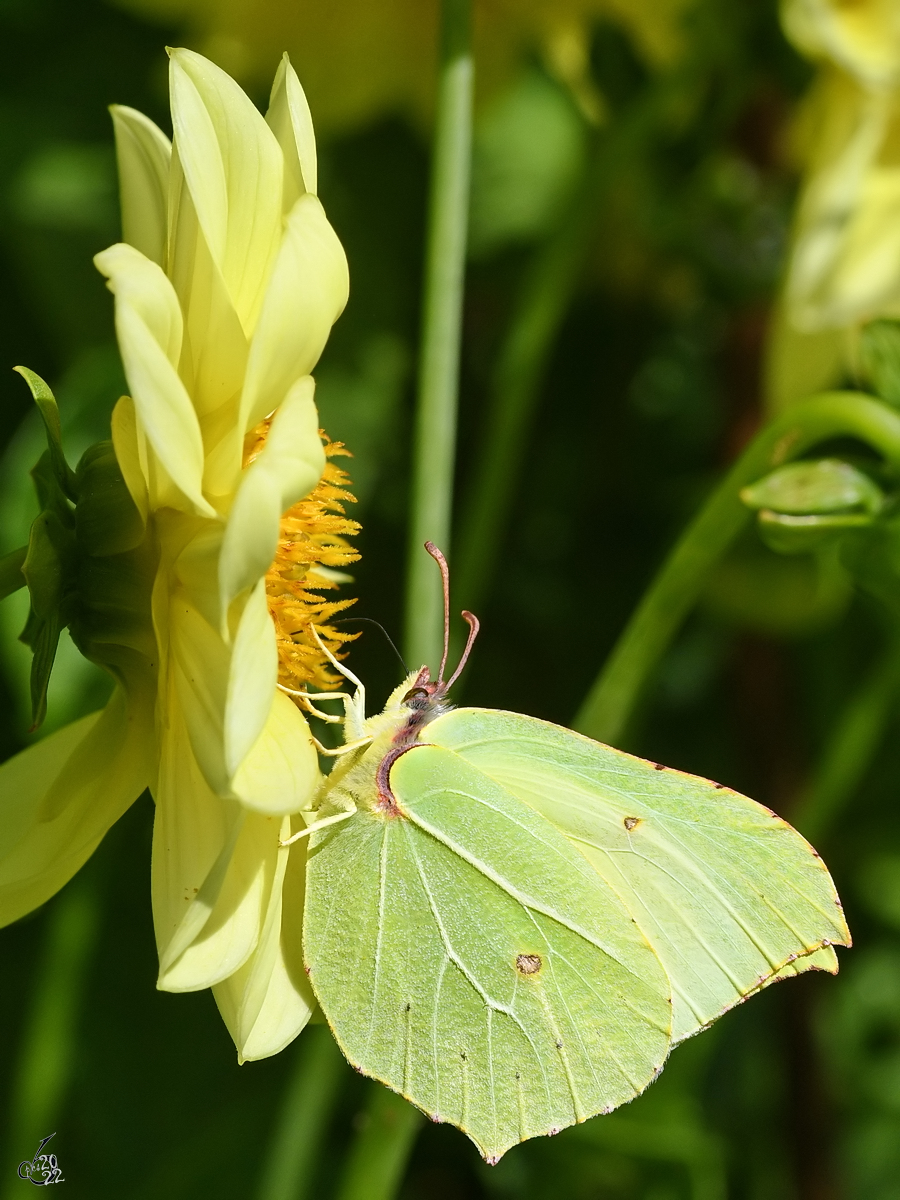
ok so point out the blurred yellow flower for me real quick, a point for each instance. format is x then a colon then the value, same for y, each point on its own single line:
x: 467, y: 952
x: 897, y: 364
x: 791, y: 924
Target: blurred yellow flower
x: 360, y: 59
x: 845, y: 263
x: 226, y: 286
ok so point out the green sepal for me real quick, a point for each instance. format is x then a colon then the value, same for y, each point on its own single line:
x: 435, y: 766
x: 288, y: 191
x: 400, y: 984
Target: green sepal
x: 805, y: 489
x: 49, y: 411
x: 11, y: 577
x: 879, y: 353
x: 49, y: 570
x: 107, y: 519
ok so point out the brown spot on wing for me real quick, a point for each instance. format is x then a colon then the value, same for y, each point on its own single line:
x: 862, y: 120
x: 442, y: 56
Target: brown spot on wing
x: 528, y: 964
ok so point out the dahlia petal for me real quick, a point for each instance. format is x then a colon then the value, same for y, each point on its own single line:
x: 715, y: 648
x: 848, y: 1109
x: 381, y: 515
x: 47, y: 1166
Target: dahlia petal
x: 126, y: 442
x: 233, y: 167
x: 199, y: 662
x: 62, y: 794
x: 252, y: 680
x: 220, y: 926
x: 290, y: 120
x: 306, y: 294
x: 149, y: 329
x: 281, y: 773
x: 268, y: 1000
x: 143, y: 153
x: 288, y: 468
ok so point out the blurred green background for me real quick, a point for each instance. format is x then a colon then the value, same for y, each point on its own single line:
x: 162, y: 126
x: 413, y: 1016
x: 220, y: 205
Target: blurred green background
x: 641, y: 203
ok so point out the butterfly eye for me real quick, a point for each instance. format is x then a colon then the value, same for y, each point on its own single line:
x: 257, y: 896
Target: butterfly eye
x: 416, y: 691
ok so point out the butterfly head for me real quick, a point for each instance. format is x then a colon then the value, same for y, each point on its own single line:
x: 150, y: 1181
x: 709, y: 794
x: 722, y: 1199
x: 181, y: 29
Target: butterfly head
x: 427, y: 697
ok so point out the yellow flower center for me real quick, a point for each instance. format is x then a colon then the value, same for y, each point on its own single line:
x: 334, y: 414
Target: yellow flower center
x: 312, y: 550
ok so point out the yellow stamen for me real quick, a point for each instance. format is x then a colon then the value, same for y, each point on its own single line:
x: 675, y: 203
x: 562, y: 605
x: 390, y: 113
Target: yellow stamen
x: 313, y: 535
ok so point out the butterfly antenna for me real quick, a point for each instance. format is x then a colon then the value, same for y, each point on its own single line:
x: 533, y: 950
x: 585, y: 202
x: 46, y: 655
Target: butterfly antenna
x: 378, y: 625
x: 474, y: 625
x: 445, y: 579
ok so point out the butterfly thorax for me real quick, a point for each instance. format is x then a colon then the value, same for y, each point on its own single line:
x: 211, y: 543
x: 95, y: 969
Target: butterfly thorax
x: 364, y: 781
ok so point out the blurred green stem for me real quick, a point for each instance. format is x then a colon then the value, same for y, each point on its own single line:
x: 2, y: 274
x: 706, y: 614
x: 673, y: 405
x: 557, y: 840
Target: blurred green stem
x: 850, y: 747
x: 378, y: 1156
x: 611, y: 701
x: 305, y: 1112
x: 46, y: 1055
x: 434, y: 441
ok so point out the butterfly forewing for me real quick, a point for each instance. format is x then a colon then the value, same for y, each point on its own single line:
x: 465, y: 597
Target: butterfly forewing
x: 728, y: 894
x: 466, y: 954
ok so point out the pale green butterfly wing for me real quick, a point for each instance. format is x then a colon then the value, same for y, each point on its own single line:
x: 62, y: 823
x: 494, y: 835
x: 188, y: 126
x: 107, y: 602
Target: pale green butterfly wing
x: 465, y: 954
x: 728, y: 894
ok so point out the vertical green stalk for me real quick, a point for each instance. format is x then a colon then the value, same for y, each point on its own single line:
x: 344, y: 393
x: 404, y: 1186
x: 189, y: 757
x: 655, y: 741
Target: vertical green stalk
x: 850, y: 747
x: 46, y: 1055
x: 378, y: 1156
x: 305, y: 1112
x: 434, y: 442
x: 611, y: 701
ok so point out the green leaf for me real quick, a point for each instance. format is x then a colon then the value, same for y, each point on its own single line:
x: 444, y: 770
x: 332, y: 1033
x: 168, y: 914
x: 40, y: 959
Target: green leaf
x: 49, y: 411
x: 726, y: 892
x: 879, y: 353
x: 468, y: 955
x: 11, y: 577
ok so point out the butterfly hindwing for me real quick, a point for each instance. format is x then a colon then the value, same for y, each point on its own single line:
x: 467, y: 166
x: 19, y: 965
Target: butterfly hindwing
x: 466, y: 954
x: 728, y: 894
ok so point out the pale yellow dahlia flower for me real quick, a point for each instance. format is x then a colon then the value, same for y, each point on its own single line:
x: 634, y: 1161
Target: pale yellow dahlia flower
x: 845, y: 260
x: 226, y: 285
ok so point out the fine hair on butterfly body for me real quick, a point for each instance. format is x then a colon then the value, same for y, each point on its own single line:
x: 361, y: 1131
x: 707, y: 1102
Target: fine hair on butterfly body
x: 513, y: 925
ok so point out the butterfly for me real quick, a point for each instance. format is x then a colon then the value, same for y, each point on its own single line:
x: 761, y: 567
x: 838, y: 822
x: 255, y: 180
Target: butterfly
x: 512, y: 925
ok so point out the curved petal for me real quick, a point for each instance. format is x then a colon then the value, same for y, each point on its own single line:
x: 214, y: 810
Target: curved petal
x: 288, y: 468
x: 149, y: 329
x: 126, y: 443
x: 252, y: 679
x: 61, y: 795
x: 199, y: 662
x: 281, y: 773
x: 143, y: 153
x: 268, y: 1000
x: 305, y: 296
x: 214, y: 353
x: 290, y: 120
x: 233, y: 167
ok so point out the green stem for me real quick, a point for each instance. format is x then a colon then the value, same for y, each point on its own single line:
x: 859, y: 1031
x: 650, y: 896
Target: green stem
x: 305, y: 1112
x: 46, y: 1057
x: 853, y: 742
x: 674, y: 591
x: 434, y: 446
x: 378, y: 1156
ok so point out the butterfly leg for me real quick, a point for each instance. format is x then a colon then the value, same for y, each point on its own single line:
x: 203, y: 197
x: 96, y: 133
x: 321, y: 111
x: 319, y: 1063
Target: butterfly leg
x: 339, y: 750
x: 355, y: 706
x: 308, y: 698
x: 332, y: 820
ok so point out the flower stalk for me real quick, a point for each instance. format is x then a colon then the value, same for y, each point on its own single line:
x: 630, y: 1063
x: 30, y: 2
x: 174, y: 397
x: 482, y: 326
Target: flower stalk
x: 434, y: 437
